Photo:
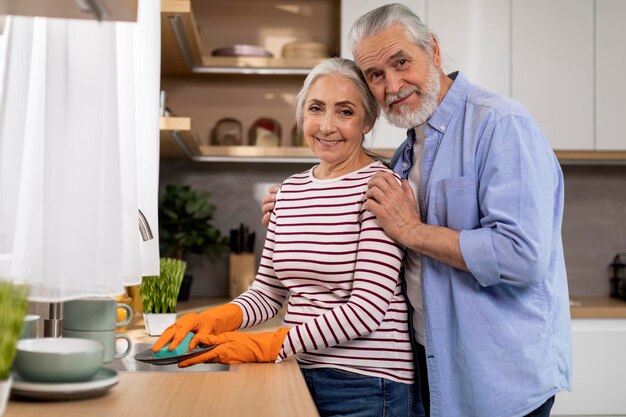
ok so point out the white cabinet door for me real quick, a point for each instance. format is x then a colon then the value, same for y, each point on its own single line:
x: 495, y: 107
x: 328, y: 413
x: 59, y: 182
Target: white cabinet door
x: 553, y: 68
x: 475, y: 38
x: 598, y: 368
x: 610, y: 83
x: 384, y: 135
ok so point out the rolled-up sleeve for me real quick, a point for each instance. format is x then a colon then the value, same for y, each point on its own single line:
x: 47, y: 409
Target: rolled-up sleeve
x: 517, y: 179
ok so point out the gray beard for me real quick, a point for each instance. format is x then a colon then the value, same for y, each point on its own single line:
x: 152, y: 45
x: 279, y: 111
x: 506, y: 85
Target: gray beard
x: 404, y: 117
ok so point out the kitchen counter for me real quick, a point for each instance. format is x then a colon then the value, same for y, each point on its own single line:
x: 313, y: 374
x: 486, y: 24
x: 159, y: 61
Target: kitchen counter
x: 597, y: 308
x: 260, y: 390
x: 245, y: 390
x: 256, y: 389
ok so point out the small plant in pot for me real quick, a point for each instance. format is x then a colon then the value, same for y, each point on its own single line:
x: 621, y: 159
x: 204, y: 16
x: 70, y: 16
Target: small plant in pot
x: 185, y: 217
x: 159, y: 295
x: 13, y: 303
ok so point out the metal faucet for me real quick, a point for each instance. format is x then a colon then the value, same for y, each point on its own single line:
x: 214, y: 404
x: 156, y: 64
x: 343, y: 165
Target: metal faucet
x: 144, y: 227
x: 53, y: 325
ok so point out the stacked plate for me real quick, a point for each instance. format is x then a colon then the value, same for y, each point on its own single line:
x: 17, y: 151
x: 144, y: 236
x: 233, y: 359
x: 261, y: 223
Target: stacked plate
x: 60, y: 369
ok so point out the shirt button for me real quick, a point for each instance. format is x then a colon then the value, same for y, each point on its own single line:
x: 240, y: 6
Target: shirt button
x: 405, y: 165
x: 443, y: 128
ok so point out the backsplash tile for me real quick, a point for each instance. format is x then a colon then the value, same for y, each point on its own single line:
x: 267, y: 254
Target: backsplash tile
x: 594, y: 225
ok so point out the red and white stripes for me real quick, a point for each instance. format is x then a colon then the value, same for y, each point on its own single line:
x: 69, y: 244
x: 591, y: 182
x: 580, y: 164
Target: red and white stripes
x: 340, y: 272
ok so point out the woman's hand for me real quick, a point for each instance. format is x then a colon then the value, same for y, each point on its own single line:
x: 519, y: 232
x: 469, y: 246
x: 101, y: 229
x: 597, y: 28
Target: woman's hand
x: 268, y: 203
x: 238, y: 347
x: 215, y: 320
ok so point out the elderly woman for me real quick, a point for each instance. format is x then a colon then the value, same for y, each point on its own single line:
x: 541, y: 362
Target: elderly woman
x: 347, y: 320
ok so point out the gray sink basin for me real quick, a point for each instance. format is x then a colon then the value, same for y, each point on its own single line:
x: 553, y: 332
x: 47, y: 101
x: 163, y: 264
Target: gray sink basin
x: 129, y: 364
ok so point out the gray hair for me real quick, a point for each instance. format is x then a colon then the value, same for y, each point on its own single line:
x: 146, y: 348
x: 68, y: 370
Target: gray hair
x: 386, y: 16
x: 340, y: 67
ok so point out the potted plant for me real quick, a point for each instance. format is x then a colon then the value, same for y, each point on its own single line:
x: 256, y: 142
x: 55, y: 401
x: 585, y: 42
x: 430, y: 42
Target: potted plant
x: 159, y: 295
x: 13, y: 304
x: 185, y: 217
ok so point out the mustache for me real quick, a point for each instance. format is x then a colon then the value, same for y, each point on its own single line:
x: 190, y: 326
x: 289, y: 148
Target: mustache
x: 404, y: 92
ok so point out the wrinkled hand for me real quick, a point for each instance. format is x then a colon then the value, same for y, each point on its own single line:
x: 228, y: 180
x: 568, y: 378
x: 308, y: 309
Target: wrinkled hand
x: 212, y: 321
x: 268, y: 203
x: 394, y: 205
x: 238, y: 347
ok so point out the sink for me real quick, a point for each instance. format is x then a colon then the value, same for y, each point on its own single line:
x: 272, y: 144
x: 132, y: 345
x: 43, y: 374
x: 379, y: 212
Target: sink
x: 129, y: 364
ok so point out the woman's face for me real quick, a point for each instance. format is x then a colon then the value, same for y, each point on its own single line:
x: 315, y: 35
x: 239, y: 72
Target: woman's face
x: 334, y: 122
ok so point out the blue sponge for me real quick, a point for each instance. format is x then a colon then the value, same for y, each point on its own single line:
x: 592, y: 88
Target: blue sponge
x: 180, y: 349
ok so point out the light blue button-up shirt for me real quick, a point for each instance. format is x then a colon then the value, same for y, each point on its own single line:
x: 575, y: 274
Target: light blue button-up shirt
x: 497, y: 337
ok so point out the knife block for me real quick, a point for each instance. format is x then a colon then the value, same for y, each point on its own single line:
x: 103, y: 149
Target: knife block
x: 242, y: 271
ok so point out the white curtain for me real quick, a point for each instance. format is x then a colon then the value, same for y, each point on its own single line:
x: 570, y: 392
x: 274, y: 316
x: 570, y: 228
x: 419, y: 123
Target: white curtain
x: 79, y: 153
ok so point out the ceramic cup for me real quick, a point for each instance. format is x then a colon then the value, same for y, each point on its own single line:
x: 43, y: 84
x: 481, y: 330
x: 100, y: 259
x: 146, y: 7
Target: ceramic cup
x: 94, y: 314
x: 108, y: 339
x: 30, y: 328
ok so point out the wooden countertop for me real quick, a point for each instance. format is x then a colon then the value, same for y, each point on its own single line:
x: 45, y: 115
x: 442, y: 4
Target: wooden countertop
x: 248, y: 390
x: 598, y: 308
x: 256, y: 389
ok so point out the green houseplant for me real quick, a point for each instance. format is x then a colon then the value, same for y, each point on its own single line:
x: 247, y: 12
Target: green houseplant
x: 159, y: 295
x: 185, y: 226
x: 13, y: 303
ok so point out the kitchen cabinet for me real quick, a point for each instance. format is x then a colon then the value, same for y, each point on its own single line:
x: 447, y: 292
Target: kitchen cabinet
x: 384, y: 138
x: 598, y: 369
x: 610, y: 85
x: 475, y: 38
x: 553, y: 68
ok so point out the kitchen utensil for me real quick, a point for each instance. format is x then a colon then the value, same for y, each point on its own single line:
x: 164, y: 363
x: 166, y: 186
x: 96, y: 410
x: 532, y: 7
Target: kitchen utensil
x: 304, y: 50
x: 241, y: 240
x: 108, y: 339
x: 122, y: 314
x: 264, y: 132
x: 103, y: 380
x: 241, y: 50
x: 51, y: 359
x: 227, y: 132
x: 30, y: 329
x: 183, y: 347
x: 618, y: 281
x: 94, y: 314
x: 148, y: 356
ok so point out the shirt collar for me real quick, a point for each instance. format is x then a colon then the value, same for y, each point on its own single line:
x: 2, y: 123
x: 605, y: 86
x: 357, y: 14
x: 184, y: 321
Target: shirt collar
x: 441, y: 118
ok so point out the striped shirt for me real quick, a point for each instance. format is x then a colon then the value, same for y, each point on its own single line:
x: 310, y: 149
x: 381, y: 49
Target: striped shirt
x: 340, y: 273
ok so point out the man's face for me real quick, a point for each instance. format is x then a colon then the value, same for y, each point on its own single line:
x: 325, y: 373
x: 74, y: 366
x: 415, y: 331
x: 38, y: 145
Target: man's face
x: 404, y: 79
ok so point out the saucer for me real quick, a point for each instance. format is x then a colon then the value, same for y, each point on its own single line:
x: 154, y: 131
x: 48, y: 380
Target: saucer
x: 101, y: 382
x: 148, y: 356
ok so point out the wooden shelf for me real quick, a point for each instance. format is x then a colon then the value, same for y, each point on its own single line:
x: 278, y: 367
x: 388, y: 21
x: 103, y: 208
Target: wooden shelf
x: 111, y: 10
x: 591, y: 156
x: 182, y: 44
x: 177, y: 140
x: 174, y: 59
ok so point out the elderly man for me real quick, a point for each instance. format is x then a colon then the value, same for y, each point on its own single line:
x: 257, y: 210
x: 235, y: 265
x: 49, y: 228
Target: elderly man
x: 480, y: 217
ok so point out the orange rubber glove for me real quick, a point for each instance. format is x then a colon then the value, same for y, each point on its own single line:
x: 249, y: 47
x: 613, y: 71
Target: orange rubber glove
x: 238, y: 347
x: 215, y: 320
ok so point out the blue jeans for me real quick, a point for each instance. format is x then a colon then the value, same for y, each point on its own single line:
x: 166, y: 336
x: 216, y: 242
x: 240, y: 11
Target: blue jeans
x: 544, y: 410
x: 347, y: 394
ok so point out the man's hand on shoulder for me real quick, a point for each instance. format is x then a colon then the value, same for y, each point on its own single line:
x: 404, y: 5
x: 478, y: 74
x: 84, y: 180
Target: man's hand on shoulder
x: 394, y: 205
x: 268, y: 203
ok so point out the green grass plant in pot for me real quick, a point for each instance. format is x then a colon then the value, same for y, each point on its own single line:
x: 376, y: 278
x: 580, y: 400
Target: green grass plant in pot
x: 13, y: 303
x: 185, y: 226
x: 159, y: 295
